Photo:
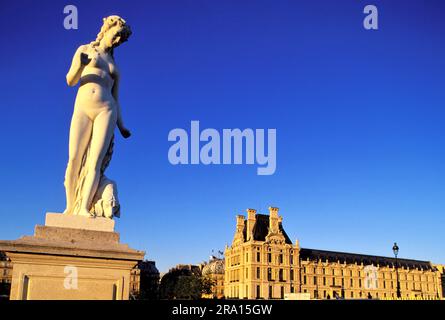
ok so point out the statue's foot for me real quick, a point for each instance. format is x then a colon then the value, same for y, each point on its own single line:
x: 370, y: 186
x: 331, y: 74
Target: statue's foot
x: 86, y: 213
x: 67, y: 211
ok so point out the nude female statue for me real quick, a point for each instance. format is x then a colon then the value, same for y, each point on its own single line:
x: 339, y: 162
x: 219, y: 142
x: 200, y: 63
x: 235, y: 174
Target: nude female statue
x: 96, y: 114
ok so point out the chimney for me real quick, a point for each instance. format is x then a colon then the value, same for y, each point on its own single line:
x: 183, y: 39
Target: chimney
x: 273, y: 211
x: 273, y: 220
x: 250, y: 223
x: 239, y: 223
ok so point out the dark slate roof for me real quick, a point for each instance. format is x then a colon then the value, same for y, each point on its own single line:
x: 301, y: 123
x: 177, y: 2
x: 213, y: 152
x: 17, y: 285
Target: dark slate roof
x: 261, y: 226
x: 314, y: 254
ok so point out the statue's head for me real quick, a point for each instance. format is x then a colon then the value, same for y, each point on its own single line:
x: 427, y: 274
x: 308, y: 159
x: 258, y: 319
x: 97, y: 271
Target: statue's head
x: 113, y: 33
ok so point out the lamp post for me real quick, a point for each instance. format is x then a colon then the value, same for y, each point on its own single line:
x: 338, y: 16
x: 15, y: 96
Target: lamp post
x: 395, y: 249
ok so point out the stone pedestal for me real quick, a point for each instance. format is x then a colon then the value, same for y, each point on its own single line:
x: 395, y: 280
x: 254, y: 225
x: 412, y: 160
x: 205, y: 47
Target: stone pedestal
x: 71, y: 258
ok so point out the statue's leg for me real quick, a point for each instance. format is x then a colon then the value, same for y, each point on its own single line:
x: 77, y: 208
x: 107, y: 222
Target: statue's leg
x: 103, y: 129
x: 80, y: 133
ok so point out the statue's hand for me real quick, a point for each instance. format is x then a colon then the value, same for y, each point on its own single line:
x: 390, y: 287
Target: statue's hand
x: 125, y: 132
x: 84, y: 59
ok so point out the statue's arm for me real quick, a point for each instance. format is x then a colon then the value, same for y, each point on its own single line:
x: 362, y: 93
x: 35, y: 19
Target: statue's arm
x: 80, y: 60
x: 120, y: 123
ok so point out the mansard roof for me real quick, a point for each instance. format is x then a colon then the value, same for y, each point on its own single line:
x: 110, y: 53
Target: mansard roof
x: 315, y: 254
x: 261, y: 228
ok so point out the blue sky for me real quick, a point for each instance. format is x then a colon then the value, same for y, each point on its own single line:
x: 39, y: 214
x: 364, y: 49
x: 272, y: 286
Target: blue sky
x: 359, y: 117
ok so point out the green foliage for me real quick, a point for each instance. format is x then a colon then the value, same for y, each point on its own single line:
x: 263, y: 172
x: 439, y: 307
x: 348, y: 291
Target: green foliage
x: 184, y: 284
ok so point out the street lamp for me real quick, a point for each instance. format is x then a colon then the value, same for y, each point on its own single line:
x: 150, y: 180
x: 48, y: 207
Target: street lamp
x: 395, y: 249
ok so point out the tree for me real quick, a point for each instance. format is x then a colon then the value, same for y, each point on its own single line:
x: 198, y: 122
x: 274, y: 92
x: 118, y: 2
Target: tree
x: 184, y: 284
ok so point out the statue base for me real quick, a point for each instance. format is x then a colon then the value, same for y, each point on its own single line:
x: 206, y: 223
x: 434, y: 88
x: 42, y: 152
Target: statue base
x: 71, y: 258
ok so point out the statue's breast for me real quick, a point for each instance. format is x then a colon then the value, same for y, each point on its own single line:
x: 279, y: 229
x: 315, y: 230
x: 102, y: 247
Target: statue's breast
x: 101, y: 61
x: 114, y: 72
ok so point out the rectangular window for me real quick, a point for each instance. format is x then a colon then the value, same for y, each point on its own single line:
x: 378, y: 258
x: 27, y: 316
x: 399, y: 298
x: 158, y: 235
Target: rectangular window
x: 269, y: 274
x: 269, y: 257
x: 291, y: 274
x: 282, y: 292
x: 258, y: 258
x: 258, y: 272
x: 280, y: 258
x: 280, y: 275
x: 270, y: 292
x: 258, y: 292
x: 291, y: 259
x: 304, y: 279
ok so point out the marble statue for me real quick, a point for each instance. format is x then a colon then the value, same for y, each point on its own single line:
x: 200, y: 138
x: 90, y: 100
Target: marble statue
x: 96, y: 114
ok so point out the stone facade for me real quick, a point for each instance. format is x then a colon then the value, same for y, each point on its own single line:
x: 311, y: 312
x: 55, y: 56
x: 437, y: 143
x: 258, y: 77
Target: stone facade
x: 135, y: 277
x: 214, y: 271
x: 263, y: 263
x: 71, y: 261
x: 144, y: 281
x: 5, y: 268
x: 143, y: 278
x: 5, y: 276
x: 441, y: 269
